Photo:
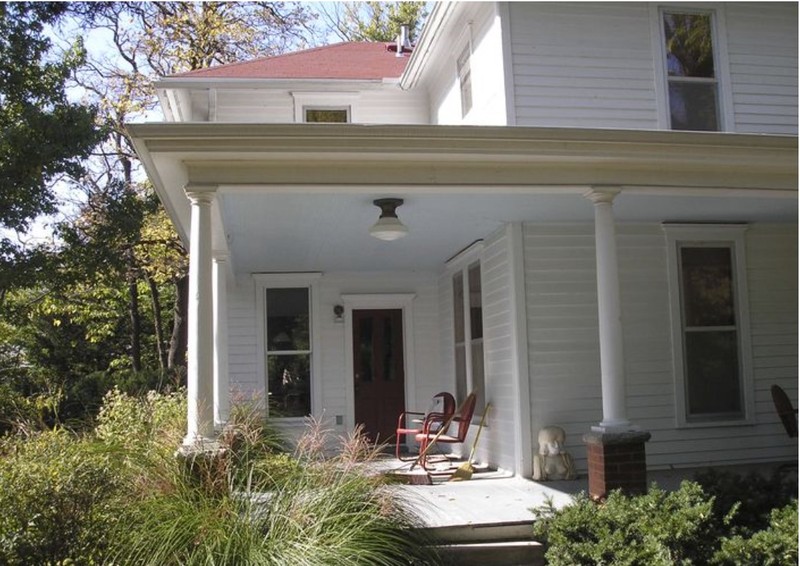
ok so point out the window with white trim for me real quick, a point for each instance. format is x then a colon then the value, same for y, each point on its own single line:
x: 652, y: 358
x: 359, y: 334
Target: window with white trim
x: 711, y: 344
x: 692, y: 74
x: 326, y: 115
x: 288, y: 351
x: 465, y: 79
x: 468, y: 327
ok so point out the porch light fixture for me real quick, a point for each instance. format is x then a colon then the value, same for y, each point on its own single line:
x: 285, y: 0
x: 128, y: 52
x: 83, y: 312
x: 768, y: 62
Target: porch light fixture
x: 388, y: 227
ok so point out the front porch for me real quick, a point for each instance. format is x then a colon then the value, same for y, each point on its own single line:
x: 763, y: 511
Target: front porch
x: 488, y: 520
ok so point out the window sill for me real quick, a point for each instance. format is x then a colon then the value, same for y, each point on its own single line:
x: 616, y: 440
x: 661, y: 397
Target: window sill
x: 716, y: 424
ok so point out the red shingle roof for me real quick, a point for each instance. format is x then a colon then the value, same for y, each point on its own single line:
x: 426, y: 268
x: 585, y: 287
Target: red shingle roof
x: 355, y: 61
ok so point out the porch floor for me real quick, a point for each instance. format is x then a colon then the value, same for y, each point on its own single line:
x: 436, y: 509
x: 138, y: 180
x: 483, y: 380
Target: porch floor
x: 496, y: 498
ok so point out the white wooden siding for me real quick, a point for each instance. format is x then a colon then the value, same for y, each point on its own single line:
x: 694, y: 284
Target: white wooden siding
x: 762, y: 48
x: 592, y: 64
x: 385, y: 104
x: 480, y: 22
x: 243, y: 319
x: 583, y: 65
x: 564, y: 350
x: 498, y: 353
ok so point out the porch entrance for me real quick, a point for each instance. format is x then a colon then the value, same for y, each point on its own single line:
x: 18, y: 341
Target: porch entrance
x: 378, y: 371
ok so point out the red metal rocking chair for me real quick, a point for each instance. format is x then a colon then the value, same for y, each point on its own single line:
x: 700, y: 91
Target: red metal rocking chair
x: 448, y: 407
x: 433, y: 434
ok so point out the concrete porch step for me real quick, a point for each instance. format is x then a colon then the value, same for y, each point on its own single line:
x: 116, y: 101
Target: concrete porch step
x: 490, y: 544
x: 510, y: 553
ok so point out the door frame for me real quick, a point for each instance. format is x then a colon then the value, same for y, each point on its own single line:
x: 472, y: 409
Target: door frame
x: 378, y: 301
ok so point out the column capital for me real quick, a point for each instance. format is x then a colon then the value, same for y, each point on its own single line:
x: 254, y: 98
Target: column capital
x: 602, y: 194
x: 220, y: 256
x: 199, y: 193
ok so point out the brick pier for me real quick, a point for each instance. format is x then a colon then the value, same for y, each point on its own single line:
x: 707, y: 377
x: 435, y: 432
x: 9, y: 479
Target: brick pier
x: 616, y: 461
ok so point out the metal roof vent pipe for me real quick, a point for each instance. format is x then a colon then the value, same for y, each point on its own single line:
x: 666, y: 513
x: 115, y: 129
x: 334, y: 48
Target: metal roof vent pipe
x: 403, y: 41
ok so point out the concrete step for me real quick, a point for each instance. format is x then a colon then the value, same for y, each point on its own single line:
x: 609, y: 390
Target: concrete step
x: 509, y: 553
x: 492, y: 532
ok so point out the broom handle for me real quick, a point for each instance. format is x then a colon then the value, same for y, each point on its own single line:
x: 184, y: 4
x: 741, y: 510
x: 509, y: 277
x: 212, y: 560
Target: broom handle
x: 480, y: 428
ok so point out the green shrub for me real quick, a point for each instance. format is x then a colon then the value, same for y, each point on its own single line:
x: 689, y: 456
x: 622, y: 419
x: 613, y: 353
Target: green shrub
x: 58, y: 499
x: 774, y: 546
x: 752, y: 496
x: 658, y: 528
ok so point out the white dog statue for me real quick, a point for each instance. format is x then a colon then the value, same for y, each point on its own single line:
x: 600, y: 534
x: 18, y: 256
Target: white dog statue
x: 552, y: 462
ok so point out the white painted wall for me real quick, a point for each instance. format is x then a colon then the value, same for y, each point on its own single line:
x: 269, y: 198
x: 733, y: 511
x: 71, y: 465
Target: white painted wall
x: 762, y: 48
x: 564, y: 351
x: 478, y: 22
x: 375, y: 103
x: 592, y: 64
x: 243, y: 319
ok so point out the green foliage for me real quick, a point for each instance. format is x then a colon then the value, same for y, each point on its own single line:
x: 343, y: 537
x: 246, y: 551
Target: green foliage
x: 57, y: 493
x: 776, y: 545
x: 43, y: 134
x: 374, y: 21
x: 752, y: 496
x: 659, y: 528
x: 730, y: 519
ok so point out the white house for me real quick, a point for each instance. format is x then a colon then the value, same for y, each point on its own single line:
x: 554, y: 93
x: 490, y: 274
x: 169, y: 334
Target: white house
x: 601, y: 217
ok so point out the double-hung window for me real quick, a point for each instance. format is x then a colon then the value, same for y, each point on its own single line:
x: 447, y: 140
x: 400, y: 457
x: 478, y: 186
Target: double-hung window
x: 468, y: 327
x: 711, y: 345
x: 692, y: 76
x: 286, y: 343
x: 465, y: 79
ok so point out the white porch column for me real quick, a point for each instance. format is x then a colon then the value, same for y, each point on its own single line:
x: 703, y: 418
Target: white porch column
x: 610, y: 315
x: 200, y: 366
x: 221, y: 385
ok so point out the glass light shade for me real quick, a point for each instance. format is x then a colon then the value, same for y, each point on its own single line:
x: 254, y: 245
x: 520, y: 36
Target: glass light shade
x: 388, y: 228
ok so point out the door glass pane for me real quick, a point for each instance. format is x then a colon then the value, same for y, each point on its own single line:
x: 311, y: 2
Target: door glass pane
x: 712, y: 364
x: 475, y: 302
x: 689, y: 47
x: 364, y: 346
x: 388, y: 350
x: 289, y: 385
x: 458, y: 307
x: 707, y: 286
x: 693, y: 106
x: 287, y: 320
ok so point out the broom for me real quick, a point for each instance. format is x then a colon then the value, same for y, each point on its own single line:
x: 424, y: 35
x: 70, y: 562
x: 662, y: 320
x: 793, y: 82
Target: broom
x: 464, y: 471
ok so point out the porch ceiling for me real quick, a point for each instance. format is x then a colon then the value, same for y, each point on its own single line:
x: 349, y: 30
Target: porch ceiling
x: 299, y: 197
x: 329, y: 232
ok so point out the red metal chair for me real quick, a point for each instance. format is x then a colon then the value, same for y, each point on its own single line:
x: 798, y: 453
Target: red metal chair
x: 448, y: 407
x: 431, y: 429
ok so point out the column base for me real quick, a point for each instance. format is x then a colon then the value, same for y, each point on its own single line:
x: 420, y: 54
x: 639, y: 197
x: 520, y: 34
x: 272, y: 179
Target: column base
x: 205, y: 465
x: 616, y: 461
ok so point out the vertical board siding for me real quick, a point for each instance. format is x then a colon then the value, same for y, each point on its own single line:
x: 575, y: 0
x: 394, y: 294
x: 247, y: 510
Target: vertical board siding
x: 564, y: 349
x: 762, y: 50
x: 583, y: 65
x: 498, y: 344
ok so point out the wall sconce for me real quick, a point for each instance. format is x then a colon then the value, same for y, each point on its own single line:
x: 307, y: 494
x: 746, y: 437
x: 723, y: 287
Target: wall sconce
x: 338, y: 313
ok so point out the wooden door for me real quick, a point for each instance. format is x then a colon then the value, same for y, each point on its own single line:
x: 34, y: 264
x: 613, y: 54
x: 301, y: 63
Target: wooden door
x: 378, y: 371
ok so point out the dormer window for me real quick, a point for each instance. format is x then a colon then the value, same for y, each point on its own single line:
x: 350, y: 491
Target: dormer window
x: 326, y: 115
x: 692, y: 77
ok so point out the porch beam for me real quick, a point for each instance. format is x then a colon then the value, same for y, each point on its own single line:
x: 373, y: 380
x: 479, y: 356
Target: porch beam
x: 200, y: 347
x: 221, y: 379
x: 612, y: 366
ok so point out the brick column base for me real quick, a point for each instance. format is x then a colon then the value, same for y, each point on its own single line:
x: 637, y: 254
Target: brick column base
x: 616, y: 461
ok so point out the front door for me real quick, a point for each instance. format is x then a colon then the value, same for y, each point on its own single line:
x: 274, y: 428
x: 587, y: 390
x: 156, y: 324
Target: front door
x: 378, y: 371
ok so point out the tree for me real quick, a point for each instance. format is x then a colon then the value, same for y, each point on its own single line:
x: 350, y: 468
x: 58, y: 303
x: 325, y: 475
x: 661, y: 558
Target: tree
x: 43, y: 136
x: 373, y: 21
